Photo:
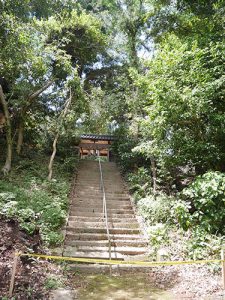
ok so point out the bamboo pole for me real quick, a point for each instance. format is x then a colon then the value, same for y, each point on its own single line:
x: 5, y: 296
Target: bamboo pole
x: 12, y: 281
x: 223, y: 267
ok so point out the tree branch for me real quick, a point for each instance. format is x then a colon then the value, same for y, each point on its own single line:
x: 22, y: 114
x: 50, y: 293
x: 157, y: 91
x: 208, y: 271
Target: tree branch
x: 41, y: 90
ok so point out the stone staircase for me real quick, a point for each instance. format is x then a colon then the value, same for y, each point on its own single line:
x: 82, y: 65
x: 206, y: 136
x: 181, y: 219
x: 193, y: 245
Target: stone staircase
x: 86, y: 234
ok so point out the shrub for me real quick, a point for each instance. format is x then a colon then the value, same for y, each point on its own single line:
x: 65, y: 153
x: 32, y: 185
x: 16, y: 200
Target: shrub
x: 180, y: 211
x: 207, y: 195
x: 156, y: 209
x: 140, y: 182
x: 203, y: 245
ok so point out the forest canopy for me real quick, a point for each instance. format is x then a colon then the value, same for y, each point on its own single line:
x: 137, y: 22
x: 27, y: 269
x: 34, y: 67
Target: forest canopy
x: 150, y: 72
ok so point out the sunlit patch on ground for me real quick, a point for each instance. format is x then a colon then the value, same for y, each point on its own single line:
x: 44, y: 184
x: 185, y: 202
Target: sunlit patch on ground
x: 128, y: 287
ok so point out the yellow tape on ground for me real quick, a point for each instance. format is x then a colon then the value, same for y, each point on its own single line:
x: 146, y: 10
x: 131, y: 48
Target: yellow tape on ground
x: 120, y: 262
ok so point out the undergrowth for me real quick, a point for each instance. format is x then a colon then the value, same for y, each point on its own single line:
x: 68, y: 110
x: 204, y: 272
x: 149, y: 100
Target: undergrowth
x: 187, y: 225
x: 38, y: 204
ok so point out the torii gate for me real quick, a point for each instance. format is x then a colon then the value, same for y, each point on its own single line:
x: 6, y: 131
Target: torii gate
x: 91, y: 143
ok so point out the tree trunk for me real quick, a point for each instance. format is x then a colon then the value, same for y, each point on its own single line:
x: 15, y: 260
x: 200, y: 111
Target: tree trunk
x: 52, y: 156
x: 134, y: 56
x: 20, y: 138
x: 61, y: 120
x: 154, y: 174
x: 8, y: 161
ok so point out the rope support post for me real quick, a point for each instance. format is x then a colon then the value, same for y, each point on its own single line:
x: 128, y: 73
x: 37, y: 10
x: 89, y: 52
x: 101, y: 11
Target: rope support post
x: 14, y: 267
x: 223, y: 267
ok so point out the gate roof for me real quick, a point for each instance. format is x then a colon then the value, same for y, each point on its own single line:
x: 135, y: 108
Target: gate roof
x: 99, y: 137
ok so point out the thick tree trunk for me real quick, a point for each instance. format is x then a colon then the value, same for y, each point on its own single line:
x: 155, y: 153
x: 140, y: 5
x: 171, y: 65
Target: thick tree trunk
x: 20, y: 138
x: 8, y: 161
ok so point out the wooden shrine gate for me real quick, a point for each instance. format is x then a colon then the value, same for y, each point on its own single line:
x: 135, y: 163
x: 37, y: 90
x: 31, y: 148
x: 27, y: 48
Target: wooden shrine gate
x: 90, y: 144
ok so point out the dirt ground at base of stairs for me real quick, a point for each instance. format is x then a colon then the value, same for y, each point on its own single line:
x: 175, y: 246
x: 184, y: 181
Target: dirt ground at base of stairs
x: 195, y: 282
x: 178, y: 282
x: 31, y: 273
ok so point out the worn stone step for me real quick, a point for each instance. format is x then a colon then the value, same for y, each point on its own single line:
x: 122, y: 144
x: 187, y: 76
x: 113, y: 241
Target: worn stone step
x: 86, y: 234
x: 95, y: 177
x: 100, y: 200
x: 107, y: 182
x: 98, y: 205
x: 87, y: 190
x: 79, y: 193
x: 102, y: 219
x: 105, y: 269
x: 82, y: 194
x: 124, y: 192
x: 91, y: 214
x: 92, y: 192
x: 104, y: 243
x: 112, y: 189
x: 81, y: 178
x: 99, y: 196
x: 99, y: 210
x: 103, y: 236
x: 102, y: 249
x: 102, y: 224
x: 103, y: 230
x: 94, y: 255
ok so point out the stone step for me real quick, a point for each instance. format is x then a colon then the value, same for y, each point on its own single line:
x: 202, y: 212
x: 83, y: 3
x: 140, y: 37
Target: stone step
x: 98, y: 205
x: 98, y: 255
x: 79, y: 224
x: 103, y: 237
x: 82, y: 179
x: 99, y: 195
x: 91, y: 189
x: 99, y: 210
x: 94, y: 255
x: 100, y: 200
x: 95, y: 177
x: 101, y: 249
x: 96, y: 186
x: 77, y: 213
x: 101, y: 219
x: 105, y: 269
x: 103, y: 230
x: 108, y: 187
x: 84, y: 195
x: 104, y: 243
x: 86, y: 234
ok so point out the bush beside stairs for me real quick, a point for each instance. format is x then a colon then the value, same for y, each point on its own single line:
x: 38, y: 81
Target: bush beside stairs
x: 86, y: 234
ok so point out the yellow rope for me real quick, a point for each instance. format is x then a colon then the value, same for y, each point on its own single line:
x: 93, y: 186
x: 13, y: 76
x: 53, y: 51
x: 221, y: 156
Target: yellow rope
x: 120, y: 262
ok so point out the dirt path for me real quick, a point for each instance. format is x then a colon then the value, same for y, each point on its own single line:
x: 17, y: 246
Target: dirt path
x: 164, y: 283
x: 127, y: 287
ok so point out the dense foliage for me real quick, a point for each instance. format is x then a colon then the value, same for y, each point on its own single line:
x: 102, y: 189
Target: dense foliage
x: 149, y: 72
x: 39, y: 205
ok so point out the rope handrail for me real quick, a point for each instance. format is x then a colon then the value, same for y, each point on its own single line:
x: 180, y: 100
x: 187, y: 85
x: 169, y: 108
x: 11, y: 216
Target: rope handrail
x: 105, y: 213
